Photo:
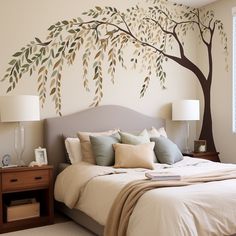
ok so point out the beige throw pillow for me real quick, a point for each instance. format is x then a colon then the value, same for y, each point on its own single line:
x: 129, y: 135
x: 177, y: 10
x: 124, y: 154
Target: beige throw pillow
x: 134, y: 156
x: 86, y: 146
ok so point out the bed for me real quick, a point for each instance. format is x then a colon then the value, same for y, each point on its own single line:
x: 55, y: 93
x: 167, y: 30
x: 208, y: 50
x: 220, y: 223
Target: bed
x: 199, y: 209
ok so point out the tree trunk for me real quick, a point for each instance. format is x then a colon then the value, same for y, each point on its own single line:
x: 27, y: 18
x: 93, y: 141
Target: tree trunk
x: 206, y: 131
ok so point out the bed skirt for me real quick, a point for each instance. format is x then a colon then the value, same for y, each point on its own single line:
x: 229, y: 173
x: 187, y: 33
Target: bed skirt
x: 80, y: 218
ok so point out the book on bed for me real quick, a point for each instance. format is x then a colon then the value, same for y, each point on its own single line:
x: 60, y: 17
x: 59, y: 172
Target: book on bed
x: 161, y: 176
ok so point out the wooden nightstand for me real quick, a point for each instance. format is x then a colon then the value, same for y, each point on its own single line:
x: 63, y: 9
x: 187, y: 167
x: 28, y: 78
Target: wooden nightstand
x: 212, y: 156
x: 24, y: 183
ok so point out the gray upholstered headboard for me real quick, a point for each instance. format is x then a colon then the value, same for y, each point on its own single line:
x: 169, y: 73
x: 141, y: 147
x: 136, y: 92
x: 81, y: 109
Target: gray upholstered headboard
x: 94, y: 119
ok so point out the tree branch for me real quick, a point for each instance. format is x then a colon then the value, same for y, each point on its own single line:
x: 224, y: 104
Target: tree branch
x: 202, y: 37
x: 156, y: 22
x: 170, y: 33
x: 209, y: 51
x: 210, y: 22
x: 199, y: 20
x: 213, y: 30
x: 123, y: 19
x: 168, y: 17
x: 178, y: 41
x: 199, y: 23
x: 183, y: 60
x: 128, y: 32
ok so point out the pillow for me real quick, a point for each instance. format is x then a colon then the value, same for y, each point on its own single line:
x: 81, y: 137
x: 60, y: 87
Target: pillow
x: 166, y: 151
x: 128, y: 138
x: 142, y: 138
x: 67, y: 159
x: 86, y: 148
x: 156, y: 133
x: 73, y: 149
x: 103, y: 149
x: 134, y: 156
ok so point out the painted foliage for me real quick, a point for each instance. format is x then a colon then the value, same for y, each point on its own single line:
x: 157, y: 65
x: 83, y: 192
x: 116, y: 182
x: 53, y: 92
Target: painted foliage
x: 103, y: 34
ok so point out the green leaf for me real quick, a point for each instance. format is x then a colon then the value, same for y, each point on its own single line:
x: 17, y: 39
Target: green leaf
x: 54, y: 73
x: 38, y: 40
x: 71, y: 31
x: 51, y: 27
x: 17, y: 54
x: 46, y: 43
x: 57, y: 64
x: 41, y: 69
x: 12, y: 62
x: 79, y: 19
x: 53, y: 91
x: 9, y: 89
x: 98, y: 8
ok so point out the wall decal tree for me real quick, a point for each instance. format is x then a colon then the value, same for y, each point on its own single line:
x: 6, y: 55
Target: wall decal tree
x: 105, y: 33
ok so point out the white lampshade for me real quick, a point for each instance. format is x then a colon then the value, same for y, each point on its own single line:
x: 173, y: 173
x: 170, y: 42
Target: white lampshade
x: 185, y: 110
x: 19, y: 108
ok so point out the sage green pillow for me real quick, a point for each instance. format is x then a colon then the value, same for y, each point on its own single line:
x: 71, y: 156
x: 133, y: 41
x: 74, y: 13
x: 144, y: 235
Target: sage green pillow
x: 132, y: 139
x: 102, y: 147
x: 166, y: 151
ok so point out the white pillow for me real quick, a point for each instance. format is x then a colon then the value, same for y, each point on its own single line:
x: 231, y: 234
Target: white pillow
x: 73, y: 149
x: 157, y: 133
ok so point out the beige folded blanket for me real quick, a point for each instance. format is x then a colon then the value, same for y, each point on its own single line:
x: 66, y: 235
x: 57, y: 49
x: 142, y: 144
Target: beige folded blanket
x: 127, y: 199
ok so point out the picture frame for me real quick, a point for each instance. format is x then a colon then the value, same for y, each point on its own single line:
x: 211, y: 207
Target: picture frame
x: 200, y: 146
x: 41, y: 156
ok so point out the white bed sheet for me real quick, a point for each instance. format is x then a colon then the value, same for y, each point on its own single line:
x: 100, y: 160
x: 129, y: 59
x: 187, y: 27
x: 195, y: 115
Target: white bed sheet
x: 201, y: 209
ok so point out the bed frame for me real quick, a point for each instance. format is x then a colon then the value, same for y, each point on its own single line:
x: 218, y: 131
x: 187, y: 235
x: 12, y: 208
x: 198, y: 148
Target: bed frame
x: 94, y: 119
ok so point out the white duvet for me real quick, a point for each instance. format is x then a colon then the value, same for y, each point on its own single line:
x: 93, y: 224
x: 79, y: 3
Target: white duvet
x: 198, y: 210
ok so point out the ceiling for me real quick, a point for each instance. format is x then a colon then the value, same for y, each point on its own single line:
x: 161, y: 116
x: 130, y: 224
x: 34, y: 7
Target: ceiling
x: 194, y: 3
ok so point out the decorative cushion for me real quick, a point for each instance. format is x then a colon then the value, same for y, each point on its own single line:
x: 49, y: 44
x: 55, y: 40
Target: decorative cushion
x: 166, y: 151
x: 134, y: 156
x: 141, y: 138
x: 86, y: 147
x: 128, y: 138
x: 156, y: 133
x: 103, y: 149
x: 73, y: 149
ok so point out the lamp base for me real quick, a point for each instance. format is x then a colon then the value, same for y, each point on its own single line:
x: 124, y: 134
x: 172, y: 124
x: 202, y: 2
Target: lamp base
x: 20, y: 163
x: 19, y: 143
x: 187, y: 150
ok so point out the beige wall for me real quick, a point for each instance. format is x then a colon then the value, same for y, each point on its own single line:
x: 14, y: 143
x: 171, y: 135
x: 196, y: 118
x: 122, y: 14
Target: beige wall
x: 21, y: 21
x: 221, y: 93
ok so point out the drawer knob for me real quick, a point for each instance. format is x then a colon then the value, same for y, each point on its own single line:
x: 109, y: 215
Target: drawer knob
x: 38, y: 177
x: 13, y: 180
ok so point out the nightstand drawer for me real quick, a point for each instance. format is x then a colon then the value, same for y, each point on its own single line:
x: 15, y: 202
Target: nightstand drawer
x: 24, y: 180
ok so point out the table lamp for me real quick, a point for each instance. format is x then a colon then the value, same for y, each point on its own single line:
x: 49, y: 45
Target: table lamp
x: 186, y: 110
x: 19, y: 108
